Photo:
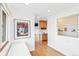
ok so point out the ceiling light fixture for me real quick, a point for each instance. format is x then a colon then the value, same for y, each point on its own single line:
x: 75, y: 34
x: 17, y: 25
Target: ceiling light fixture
x: 48, y: 10
x: 27, y: 3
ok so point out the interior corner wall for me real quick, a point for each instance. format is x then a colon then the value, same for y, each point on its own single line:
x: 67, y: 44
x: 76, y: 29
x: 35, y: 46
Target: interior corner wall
x: 63, y: 44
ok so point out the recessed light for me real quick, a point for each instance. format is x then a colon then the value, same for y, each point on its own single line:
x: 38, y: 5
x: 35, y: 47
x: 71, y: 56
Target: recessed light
x: 27, y: 3
x: 48, y: 10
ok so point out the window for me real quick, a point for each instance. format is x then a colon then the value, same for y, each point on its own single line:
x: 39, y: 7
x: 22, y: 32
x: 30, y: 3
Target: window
x: 3, y: 26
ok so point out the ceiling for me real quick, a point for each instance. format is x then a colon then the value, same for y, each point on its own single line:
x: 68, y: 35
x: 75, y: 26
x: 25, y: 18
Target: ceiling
x: 41, y: 8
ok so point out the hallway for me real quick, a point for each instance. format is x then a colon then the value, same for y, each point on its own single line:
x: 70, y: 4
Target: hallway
x: 44, y: 50
x: 55, y: 24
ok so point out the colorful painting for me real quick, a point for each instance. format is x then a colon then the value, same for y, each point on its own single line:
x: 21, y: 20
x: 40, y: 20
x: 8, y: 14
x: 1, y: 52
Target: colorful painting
x: 22, y: 28
x: 68, y: 26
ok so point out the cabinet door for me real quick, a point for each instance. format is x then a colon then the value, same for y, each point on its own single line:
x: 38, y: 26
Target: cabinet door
x: 44, y: 37
x: 43, y: 24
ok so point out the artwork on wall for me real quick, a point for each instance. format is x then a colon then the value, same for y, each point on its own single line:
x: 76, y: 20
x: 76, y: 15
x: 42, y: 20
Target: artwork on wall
x: 22, y: 28
x: 68, y: 26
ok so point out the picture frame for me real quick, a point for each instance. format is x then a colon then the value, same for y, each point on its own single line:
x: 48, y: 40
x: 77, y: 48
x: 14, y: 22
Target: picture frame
x: 22, y: 28
x: 68, y: 26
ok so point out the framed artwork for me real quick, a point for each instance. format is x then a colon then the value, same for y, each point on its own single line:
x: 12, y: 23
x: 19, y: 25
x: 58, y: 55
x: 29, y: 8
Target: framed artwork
x: 68, y: 26
x: 22, y: 28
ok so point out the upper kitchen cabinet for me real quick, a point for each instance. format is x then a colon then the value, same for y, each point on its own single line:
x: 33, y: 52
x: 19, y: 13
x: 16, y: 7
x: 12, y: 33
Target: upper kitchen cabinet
x: 43, y: 24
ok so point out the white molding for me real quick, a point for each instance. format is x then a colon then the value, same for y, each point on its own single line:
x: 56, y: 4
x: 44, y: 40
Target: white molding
x: 6, y: 8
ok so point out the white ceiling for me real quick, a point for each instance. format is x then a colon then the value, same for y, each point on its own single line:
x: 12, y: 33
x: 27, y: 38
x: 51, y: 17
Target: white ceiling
x: 41, y: 8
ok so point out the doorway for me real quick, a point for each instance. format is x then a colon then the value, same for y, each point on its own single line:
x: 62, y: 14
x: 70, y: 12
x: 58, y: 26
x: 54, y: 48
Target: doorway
x: 41, y: 36
x: 43, y: 32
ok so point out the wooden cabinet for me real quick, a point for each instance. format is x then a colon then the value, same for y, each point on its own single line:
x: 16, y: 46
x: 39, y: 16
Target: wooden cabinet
x: 44, y: 36
x: 43, y: 29
x: 43, y: 24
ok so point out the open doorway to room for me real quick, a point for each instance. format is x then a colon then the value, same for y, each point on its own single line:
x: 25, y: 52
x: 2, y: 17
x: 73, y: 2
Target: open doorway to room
x: 41, y: 40
x: 43, y: 31
x: 41, y: 36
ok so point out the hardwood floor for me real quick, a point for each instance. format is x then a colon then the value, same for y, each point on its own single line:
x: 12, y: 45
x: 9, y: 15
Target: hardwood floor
x: 43, y: 50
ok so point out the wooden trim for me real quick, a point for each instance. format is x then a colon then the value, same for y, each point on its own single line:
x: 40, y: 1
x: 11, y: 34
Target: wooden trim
x: 3, y: 46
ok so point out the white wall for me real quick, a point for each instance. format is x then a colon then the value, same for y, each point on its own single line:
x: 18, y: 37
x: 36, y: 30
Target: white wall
x: 29, y: 41
x: 51, y: 27
x: 64, y: 44
x: 19, y: 11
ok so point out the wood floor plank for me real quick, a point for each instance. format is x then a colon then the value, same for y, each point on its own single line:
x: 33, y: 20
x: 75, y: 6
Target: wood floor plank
x: 44, y: 50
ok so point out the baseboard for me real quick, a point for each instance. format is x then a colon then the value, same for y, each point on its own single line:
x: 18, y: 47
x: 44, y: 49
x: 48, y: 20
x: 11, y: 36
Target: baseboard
x: 58, y: 50
x: 5, y: 50
x: 33, y: 49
